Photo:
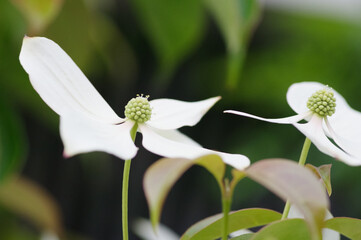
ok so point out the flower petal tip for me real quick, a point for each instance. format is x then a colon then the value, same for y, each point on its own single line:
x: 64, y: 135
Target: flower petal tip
x: 66, y: 155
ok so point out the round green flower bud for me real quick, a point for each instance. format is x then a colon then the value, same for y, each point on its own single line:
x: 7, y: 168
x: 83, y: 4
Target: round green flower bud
x: 322, y: 102
x: 138, y: 109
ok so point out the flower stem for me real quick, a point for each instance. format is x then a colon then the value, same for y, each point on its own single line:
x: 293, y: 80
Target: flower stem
x: 226, y: 207
x: 301, y: 162
x: 125, y: 186
x: 304, y: 153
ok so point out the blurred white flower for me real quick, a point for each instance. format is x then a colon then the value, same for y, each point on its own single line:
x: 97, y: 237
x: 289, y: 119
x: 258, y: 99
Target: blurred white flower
x: 88, y: 123
x: 143, y: 229
x: 316, y: 103
x: 49, y: 236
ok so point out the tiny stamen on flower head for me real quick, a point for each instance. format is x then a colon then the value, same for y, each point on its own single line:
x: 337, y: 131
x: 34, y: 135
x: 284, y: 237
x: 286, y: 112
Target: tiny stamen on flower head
x: 322, y: 102
x: 138, y: 109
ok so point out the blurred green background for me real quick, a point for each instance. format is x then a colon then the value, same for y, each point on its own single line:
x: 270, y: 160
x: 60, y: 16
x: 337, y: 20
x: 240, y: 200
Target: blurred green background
x: 246, y: 51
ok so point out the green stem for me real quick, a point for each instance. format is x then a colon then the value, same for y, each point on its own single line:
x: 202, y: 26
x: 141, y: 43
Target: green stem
x: 304, y: 153
x: 301, y: 162
x: 125, y: 187
x: 226, y: 207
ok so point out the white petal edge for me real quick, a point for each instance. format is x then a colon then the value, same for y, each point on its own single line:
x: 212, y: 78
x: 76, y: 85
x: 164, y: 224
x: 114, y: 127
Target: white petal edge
x: 314, y: 131
x: 160, y: 145
x: 286, y: 120
x: 298, y: 94
x: 327, y: 234
x: 59, y: 81
x: 172, y: 114
x: 143, y: 229
x: 82, y: 135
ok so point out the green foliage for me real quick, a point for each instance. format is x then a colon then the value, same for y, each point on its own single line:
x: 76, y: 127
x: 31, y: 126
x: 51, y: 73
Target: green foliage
x: 174, y: 28
x: 236, y: 20
x: 285, y: 178
x: 349, y: 227
x: 287, y: 48
x: 324, y: 174
x: 163, y: 174
x: 295, y: 229
x: 12, y: 143
x: 38, y: 13
x: 296, y: 184
x: 210, y: 228
x: 246, y: 236
x: 31, y: 202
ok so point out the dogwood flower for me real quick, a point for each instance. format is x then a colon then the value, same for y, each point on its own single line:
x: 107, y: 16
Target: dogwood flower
x: 88, y: 123
x: 316, y: 103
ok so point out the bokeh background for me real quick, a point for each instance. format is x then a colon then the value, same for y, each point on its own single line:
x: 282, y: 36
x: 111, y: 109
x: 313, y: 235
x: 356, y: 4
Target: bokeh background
x: 246, y: 51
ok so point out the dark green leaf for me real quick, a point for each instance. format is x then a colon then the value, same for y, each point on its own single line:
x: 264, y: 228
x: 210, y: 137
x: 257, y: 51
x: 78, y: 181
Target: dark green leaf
x: 236, y: 20
x: 11, y: 142
x: 173, y: 27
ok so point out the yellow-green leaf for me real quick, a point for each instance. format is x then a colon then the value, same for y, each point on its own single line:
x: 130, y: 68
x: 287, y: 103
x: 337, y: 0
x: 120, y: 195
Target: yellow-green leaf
x: 163, y: 174
x: 324, y: 174
x: 31, y: 202
x: 38, y: 13
x: 211, y: 228
x: 295, y: 229
x: 349, y: 227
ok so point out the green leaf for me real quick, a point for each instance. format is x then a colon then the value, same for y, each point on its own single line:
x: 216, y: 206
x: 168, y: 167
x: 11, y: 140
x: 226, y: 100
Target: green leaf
x: 324, y: 174
x: 349, y: 227
x: 236, y: 177
x: 38, y: 13
x: 173, y: 27
x: 211, y: 228
x: 227, y: 15
x: 294, y: 183
x: 31, y: 202
x: 80, y: 46
x: 12, y: 144
x: 295, y: 229
x: 246, y: 236
x: 236, y: 20
x: 163, y: 174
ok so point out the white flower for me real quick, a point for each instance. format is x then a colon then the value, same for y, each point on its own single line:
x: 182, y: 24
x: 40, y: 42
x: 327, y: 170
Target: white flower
x: 143, y: 228
x: 339, y: 122
x: 88, y: 123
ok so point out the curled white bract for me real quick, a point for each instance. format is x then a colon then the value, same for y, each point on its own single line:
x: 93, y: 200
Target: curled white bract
x: 344, y: 126
x: 88, y: 123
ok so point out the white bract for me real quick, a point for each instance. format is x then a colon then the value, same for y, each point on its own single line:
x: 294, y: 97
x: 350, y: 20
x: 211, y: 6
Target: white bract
x: 328, y: 115
x: 88, y: 123
x: 143, y: 229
